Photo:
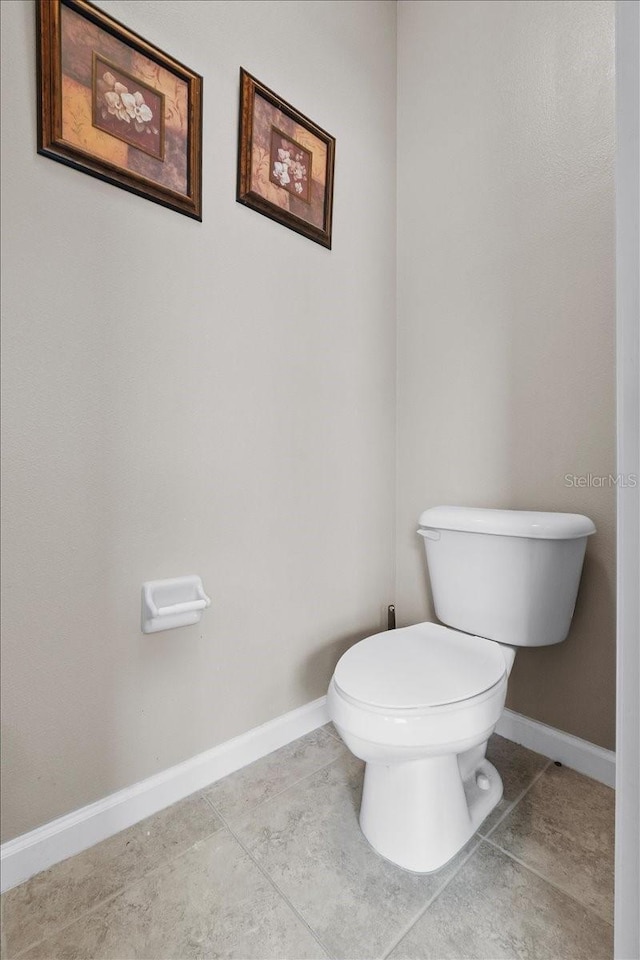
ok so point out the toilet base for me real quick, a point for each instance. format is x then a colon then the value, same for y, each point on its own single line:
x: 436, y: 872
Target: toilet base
x: 419, y: 814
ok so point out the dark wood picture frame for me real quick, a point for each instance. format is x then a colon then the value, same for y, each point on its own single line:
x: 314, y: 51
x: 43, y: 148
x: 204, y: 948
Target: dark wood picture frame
x: 302, y: 201
x: 80, y: 110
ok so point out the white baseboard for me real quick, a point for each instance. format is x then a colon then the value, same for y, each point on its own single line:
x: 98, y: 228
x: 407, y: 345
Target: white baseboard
x: 580, y: 755
x: 62, y: 838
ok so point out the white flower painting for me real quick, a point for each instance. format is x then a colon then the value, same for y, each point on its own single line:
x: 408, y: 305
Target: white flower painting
x: 128, y: 109
x: 290, y: 165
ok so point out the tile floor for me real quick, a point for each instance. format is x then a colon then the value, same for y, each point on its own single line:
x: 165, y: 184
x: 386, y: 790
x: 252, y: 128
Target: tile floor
x: 270, y: 863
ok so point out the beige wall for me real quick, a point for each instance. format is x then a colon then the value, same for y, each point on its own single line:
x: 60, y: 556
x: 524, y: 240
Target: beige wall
x: 506, y: 302
x: 220, y: 397
x: 180, y: 397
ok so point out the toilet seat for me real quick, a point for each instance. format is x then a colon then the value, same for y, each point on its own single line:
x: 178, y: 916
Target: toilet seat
x: 420, y: 667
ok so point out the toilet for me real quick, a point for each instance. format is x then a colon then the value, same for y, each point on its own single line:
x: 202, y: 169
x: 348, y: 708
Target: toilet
x: 418, y: 704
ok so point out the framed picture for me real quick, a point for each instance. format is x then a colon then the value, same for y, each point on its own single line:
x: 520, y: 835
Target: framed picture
x: 285, y: 162
x: 116, y: 107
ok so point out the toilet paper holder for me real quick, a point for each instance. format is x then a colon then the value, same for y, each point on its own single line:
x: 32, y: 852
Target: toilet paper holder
x: 177, y: 602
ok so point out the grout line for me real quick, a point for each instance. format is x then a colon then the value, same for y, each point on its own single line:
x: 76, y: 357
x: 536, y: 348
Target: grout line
x: 116, y: 893
x: 509, y: 810
x: 270, y: 880
x: 332, y: 732
x: 479, y: 837
x: 551, y: 883
x: 226, y: 826
x: 273, y: 796
x: 127, y: 886
x: 434, y: 896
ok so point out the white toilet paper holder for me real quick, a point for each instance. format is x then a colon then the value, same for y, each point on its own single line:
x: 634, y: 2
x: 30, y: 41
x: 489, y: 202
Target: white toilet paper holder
x: 177, y: 602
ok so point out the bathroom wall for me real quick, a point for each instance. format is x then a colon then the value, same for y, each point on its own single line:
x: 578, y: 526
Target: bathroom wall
x: 506, y: 303
x: 182, y: 397
x: 220, y: 397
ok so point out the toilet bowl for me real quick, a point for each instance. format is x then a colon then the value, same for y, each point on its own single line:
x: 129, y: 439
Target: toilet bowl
x: 419, y: 712
x: 418, y: 704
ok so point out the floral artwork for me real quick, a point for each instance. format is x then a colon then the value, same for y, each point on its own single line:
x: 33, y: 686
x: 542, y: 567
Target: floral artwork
x: 285, y: 163
x: 118, y: 108
x: 290, y: 165
x: 126, y: 108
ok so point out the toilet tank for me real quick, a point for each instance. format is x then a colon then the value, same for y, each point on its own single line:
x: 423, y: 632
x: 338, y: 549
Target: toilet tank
x: 508, y: 575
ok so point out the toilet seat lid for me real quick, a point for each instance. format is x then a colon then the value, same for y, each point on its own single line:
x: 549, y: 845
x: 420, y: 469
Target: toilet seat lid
x: 425, y: 665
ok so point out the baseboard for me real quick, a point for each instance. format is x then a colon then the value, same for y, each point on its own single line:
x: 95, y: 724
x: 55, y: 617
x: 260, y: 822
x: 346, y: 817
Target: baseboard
x: 62, y: 838
x: 580, y: 755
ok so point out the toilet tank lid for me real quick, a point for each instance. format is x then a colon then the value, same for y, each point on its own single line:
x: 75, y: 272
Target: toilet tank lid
x: 508, y: 523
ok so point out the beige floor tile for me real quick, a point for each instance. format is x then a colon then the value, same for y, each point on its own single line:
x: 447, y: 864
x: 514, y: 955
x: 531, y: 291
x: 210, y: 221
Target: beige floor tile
x: 253, y: 785
x: 53, y: 898
x: 211, y: 902
x: 308, y: 840
x: 329, y: 727
x: 564, y: 828
x: 496, y: 909
x: 180, y: 886
x: 518, y: 767
x: 4, y: 952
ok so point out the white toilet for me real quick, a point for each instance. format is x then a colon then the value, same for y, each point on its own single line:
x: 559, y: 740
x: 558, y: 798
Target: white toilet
x: 418, y: 704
